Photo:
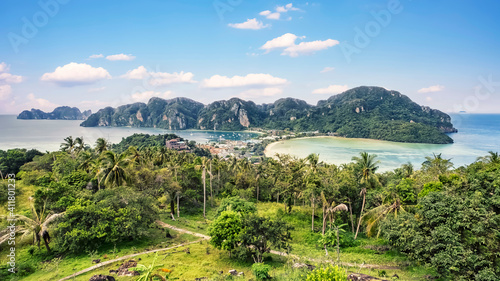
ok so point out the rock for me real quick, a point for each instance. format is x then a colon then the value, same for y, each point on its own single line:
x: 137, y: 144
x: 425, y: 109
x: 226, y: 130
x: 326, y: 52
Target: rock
x: 362, y: 277
x: 113, y: 271
x: 303, y: 265
x: 123, y: 270
x: 241, y: 274
x: 96, y: 261
x: 233, y: 272
x: 102, y: 278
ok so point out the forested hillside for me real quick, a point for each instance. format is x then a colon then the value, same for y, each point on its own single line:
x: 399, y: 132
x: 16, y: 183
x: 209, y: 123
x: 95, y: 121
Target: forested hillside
x: 363, y: 112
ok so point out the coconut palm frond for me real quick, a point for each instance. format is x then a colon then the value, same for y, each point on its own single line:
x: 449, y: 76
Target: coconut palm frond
x: 50, y: 219
x: 340, y: 207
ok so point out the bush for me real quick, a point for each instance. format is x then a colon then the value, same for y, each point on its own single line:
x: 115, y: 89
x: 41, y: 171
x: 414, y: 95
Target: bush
x: 329, y: 273
x: 236, y: 204
x: 261, y: 271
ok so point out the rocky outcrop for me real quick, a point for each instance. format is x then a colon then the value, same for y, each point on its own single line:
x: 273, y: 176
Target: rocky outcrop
x: 59, y: 113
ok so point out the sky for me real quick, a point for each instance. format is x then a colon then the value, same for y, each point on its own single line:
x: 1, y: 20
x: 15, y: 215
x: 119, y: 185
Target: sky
x: 92, y: 54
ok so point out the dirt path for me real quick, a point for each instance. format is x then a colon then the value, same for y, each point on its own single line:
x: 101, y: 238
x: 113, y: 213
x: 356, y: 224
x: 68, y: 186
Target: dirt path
x: 205, y: 237
x: 373, y: 266
x: 126, y: 257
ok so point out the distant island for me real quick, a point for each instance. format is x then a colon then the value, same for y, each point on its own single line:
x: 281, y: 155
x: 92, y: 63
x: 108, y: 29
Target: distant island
x: 59, y: 113
x: 362, y: 112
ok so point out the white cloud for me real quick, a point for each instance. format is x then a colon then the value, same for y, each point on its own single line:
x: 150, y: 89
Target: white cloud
x: 253, y: 24
x: 73, y: 74
x: 120, y: 57
x: 5, y: 91
x: 432, y: 89
x: 6, y: 79
x: 327, y: 69
x: 286, y: 8
x: 159, y: 78
x: 39, y: 103
x: 147, y: 95
x: 287, y: 42
x: 96, y: 56
x: 332, y: 89
x: 250, y: 80
x: 265, y: 92
x: 284, y: 41
x: 139, y: 73
x: 4, y: 67
x: 279, y: 10
x: 309, y: 47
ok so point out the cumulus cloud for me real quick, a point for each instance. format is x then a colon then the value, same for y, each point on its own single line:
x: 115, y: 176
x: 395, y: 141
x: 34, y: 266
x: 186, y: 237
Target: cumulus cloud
x: 120, y: 57
x: 332, y: 89
x: 96, y: 56
x: 286, y: 8
x: 159, y: 78
x: 73, y: 74
x: 265, y: 92
x: 6, y: 79
x: 327, y: 69
x: 250, y: 80
x: 287, y: 43
x: 253, y: 24
x: 39, y: 103
x: 147, y: 95
x: 432, y: 89
x: 284, y: 41
x: 309, y: 47
x: 278, y: 11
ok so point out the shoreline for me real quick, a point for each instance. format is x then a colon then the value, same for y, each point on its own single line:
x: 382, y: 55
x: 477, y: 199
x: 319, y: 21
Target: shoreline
x: 268, y: 149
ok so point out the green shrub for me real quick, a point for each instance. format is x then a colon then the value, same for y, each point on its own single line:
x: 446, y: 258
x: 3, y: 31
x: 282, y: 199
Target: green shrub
x: 261, y: 271
x: 329, y: 273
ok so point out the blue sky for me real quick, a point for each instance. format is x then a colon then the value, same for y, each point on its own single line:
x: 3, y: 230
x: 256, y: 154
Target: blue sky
x: 443, y: 54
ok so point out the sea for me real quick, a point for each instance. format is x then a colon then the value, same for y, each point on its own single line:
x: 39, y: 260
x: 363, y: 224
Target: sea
x: 477, y: 134
x: 47, y: 135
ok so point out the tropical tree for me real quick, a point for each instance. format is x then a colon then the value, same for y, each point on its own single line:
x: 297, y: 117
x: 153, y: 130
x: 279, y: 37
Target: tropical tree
x: 366, y: 165
x: 113, y: 169
x: 68, y: 145
x: 101, y: 145
x: 436, y: 164
x: 492, y: 157
x: 37, y: 226
x: 203, y: 161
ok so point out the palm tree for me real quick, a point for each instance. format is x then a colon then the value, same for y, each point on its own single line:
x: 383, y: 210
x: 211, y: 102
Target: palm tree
x: 113, y: 169
x: 312, y: 160
x: 203, y: 167
x: 37, y: 226
x: 101, y: 145
x: 68, y: 145
x: 367, y: 166
x: 79, y: 144
x: 377, y: 214
x: 436, y: 164
x: 492, y: 157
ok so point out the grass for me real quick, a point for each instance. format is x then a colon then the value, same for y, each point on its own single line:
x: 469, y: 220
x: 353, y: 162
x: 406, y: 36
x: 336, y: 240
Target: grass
x: 200, y: 264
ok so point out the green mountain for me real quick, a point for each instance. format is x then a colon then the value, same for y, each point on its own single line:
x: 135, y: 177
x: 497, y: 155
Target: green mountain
x: 59, y: 113
x: 362, y: 112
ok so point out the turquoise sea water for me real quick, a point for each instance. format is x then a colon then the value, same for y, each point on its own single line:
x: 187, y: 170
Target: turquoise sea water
x: 477, y: 134
x: 49, y: 134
